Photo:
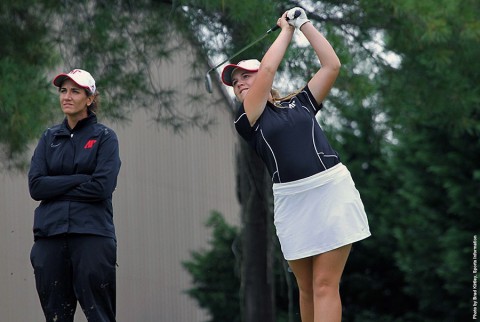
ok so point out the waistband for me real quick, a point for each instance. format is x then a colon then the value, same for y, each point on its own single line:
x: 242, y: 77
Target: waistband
x: 316, y: 180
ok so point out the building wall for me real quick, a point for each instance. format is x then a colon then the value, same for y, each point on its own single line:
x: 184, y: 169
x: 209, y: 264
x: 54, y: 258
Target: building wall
x: 167, y: 187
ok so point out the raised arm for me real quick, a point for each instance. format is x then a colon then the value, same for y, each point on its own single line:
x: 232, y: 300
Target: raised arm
x: 259, y: 93
x: 323, y: 80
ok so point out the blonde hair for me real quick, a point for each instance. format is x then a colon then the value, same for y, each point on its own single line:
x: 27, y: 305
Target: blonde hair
x: 277, y: 98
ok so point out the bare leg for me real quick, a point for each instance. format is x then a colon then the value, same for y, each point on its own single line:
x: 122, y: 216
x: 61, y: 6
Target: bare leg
x: 318, y: 280
x: 327, y: 272
x: 303, y: 270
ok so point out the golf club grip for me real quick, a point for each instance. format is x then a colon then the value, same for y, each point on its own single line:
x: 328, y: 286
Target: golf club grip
x: 296, y: 15
x: 274, y: 28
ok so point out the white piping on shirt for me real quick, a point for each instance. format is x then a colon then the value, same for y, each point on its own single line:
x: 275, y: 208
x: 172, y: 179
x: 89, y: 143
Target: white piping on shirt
x: 311, y: 103
x: 315, y: 146
x: 321, y: 153
x: 274, y: 158
x: 240, y: 117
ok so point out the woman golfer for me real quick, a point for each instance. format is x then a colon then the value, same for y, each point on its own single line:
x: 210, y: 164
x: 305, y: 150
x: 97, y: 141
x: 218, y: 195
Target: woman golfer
x: 74, y: 173
x: 318, y: 212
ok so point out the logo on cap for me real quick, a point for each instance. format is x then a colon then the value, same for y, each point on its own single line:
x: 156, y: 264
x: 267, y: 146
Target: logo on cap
x: 80, y: 77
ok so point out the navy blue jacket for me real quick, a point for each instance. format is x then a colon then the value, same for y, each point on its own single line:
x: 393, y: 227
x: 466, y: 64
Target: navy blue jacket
x: 74, y: 173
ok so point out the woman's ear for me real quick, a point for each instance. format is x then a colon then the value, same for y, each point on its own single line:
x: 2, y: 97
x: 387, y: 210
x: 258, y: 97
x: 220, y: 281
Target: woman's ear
x: 89, y: 100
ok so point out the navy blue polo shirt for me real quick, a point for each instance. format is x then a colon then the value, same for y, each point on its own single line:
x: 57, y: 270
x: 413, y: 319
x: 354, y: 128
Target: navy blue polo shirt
x: 288, y: 138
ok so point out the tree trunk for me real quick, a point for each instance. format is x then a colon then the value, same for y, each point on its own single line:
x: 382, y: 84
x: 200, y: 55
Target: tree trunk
x: 254, y: 191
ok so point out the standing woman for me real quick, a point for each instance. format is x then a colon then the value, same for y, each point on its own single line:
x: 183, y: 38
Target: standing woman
x: 73, y: 174
x: 318, y: 212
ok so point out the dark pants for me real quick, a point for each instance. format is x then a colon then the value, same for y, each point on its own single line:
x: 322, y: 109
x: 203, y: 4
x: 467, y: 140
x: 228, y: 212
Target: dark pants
x: 71, y: 268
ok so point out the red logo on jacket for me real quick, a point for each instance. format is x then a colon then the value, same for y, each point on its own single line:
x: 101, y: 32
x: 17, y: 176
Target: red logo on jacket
x: 90, y: 144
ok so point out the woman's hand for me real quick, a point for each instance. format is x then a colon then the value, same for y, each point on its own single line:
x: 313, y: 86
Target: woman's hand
x: 297, y: 17
x: 283, y: 23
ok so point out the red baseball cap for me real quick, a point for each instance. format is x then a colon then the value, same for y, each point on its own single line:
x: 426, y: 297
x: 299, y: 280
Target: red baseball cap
x: 250, y: 65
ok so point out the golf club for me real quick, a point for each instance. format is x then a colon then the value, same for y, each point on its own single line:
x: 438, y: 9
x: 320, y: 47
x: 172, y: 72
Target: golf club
x: 208, y: 79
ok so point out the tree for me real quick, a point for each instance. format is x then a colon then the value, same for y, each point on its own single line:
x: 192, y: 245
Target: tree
x: 121, y: 42
x: 216, y: 277
x: 437, y: 153
x: 257, y: 256
x: 24, y: 58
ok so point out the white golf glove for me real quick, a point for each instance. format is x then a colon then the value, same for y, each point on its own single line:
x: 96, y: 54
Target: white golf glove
x: 297, y: 17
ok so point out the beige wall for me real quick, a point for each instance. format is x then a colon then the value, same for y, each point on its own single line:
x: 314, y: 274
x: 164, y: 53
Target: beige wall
x: 167, y: 187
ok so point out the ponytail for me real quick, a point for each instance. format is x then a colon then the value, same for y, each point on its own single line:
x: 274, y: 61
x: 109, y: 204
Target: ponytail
x: 95, y: 103
x: 277, y: 98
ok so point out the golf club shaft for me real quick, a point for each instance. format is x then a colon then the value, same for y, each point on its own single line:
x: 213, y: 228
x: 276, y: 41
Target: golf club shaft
x: 208, y: 80
x: 244, y: 48
x: 297, y: 13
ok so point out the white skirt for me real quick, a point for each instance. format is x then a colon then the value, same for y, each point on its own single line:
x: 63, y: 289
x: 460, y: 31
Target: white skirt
x: 319, y: 213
